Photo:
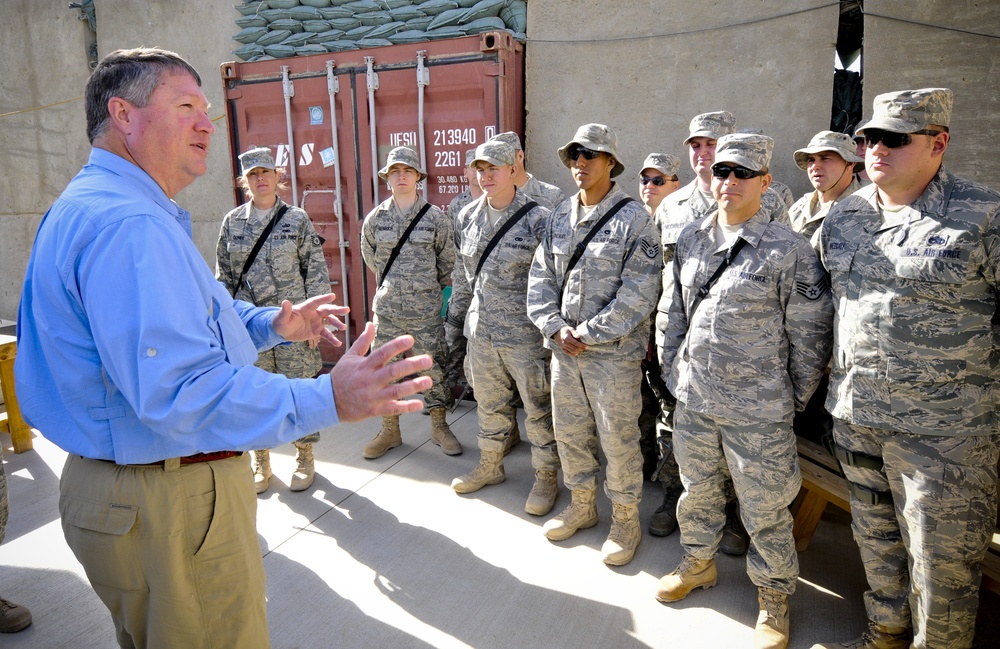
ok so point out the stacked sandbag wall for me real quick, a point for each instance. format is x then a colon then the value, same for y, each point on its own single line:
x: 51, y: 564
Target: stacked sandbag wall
x: 273, y: 29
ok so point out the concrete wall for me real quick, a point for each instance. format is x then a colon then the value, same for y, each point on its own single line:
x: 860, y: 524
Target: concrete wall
x: 903, y: 55
x: 42, y: 149
x: 43, y: 47
x: 645, y: 68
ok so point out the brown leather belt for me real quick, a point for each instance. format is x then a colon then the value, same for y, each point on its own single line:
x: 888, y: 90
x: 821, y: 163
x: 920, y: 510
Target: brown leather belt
x: 190, y: 459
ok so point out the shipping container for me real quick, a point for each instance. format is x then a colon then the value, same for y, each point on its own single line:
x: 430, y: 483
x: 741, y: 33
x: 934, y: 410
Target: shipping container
x: 331, y: 119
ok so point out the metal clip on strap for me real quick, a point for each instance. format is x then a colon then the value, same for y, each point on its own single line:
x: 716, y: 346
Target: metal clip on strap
x: 855, y: 458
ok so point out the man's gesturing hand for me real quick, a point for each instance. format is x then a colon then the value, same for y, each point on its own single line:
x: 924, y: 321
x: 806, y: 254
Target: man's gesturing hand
x: 309, y: 320
x: 365, y: 386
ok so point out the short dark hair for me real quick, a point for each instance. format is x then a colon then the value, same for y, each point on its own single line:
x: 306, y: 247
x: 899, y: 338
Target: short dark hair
x: 131, y: 75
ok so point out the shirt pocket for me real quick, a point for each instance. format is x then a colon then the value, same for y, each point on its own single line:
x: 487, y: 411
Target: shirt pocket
x: 940, y: 265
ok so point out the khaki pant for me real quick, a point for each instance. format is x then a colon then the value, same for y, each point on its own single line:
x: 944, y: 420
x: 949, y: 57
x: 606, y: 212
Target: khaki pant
x: 173, y: 554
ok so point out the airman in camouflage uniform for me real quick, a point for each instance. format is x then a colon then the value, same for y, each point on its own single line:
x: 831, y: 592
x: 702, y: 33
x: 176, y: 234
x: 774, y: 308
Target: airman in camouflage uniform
x: 692, y: 202
x: 595, y: 318
x: 829, y: 161
x: 13, y: 617
x: 657, y: 180
x: 289, y: 266
x: 408, y: 299
x: 506, y: 351
x: 913, y: 262
x: 546, y: 195
x: 457, y: 346
x: 744, y: 354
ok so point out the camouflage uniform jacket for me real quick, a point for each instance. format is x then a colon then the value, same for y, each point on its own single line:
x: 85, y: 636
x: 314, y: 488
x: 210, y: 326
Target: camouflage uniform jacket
x: 675, y: 212
x: 756, y: 346
x: 289, y: 266
x: 423, y: 268
x: 457, y: 203
x: 914, y: 344
x: 546, y: 195
x: 493, y: 307
x: 611, y: 291
x: 805, y: 221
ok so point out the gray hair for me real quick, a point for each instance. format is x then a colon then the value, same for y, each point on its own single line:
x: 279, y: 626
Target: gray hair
x: 131, y: 75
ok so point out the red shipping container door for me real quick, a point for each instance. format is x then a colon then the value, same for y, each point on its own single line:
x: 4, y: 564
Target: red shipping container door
x: 332, y: 119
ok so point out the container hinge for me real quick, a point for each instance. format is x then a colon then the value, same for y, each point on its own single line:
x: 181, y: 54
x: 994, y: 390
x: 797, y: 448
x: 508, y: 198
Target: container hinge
x: 494, y: 69
x: 371, y: 78
x: 287, y: 85
x: 423, y: 72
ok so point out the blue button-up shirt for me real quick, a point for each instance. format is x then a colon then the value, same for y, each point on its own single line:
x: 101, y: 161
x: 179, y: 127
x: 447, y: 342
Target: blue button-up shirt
x: 129, y: 349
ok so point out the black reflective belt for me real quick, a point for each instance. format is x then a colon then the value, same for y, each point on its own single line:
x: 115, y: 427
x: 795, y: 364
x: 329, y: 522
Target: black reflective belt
x: 855, y: 458
x: 868, y: 495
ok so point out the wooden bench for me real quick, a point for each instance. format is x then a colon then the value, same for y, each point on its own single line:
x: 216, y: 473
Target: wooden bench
x: 822, y: 484
x: 11, y: 420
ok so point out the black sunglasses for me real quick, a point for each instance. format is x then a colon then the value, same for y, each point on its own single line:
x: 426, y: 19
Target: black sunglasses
x: 891, y: 139
x: 741, y: 172
x: 658, y: 181
x: 576, y: 151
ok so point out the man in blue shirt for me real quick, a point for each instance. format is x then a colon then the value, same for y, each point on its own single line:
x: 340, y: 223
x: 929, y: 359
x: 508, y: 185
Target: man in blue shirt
x: 135, y: 360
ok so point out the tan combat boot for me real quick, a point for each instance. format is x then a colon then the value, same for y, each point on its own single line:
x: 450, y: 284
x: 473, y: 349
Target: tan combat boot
x: 624, y: 537
x: 388, y: 438
x: 489, y: 471
x: 771, y: 631
x: 512, y: 440
x: 876, y: 637
x: 581, y: 514
x: 441, y: 434
x: 305, y: 472
x: 261, y: 470
x: 13, y: 617
x: 543, y: 493
x: 691, y: 573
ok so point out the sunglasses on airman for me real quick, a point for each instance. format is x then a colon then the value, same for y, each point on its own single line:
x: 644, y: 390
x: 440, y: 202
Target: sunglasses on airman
x: 742, y: 173
x: 658, y: 181
x: 891, y: 139
x: 576, y: 151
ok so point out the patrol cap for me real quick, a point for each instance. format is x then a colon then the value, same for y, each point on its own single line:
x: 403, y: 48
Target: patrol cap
x: 470, y: 155
x: 668, y: 165
x: 745, y: 149
x: 511, y: 138
x: 909, y: 111
x: 495, y: 152
x: 711, y: 125
x: 840, y: 143
x: 596, y: 137
x: 256, y: 158
x: 404, y: 156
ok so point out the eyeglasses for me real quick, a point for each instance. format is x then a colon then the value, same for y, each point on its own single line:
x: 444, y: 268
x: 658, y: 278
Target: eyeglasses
x: 891, y: 139
x: 576, y: 151
x: 741, y: 172
x: 658, y: 181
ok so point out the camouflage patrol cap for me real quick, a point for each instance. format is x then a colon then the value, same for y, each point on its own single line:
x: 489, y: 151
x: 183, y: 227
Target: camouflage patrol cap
x: 840, y: 143
x: 908, y: 111
x: 596, y: 137
x: 711, y: 125
x: 745, y: 149
x: 666, y: 164
x: 470, y: 155
x: 495, y: 152
x: 511, y: 138
x: 404, y: 156
x: 256, y: 158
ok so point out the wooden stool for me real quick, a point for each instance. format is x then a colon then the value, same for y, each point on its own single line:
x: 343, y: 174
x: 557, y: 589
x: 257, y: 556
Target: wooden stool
x: 11, y: 421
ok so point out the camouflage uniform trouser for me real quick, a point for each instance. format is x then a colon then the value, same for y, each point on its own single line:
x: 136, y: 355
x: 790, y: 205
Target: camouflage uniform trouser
x: 497, y: 372
x: 4, y: 505
x: 595, y: 399
x: 764, y: 464
x: 922, y: 551
x: 296, y: 361
x: 428, y: 338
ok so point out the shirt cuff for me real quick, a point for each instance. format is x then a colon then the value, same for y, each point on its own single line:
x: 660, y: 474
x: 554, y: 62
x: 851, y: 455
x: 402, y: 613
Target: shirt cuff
x: 314, y: 402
